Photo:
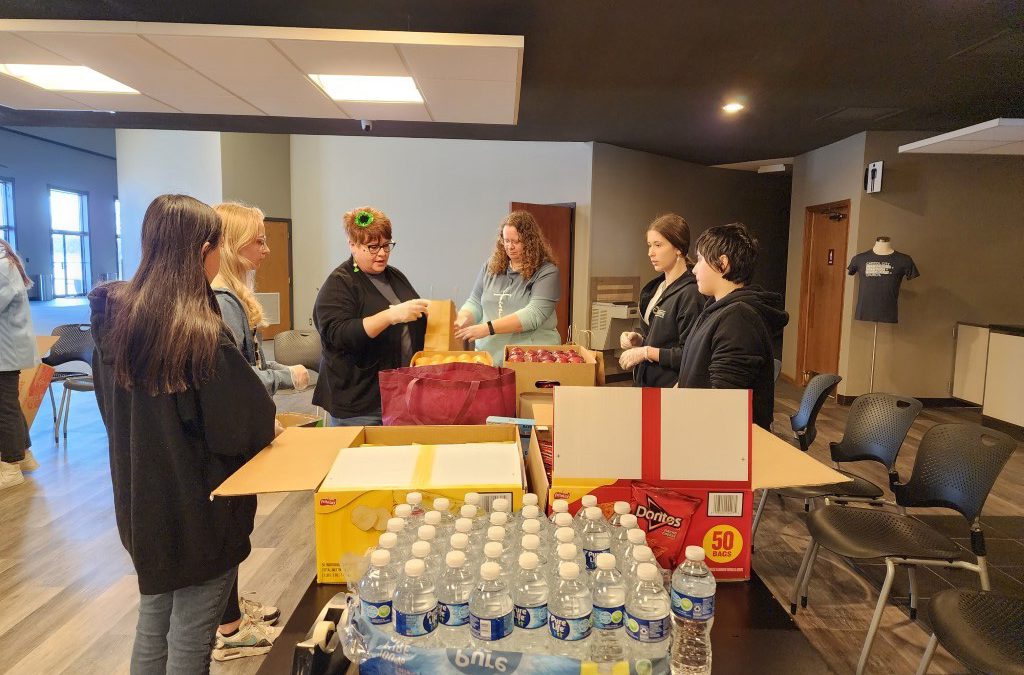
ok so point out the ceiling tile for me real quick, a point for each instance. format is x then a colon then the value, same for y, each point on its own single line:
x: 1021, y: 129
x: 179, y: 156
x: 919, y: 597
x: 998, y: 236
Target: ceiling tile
x: 1007, y: 149
x: 462, y: 63
x: 23, y: 96
x: 15, y: 49
x: 402, y: 112
x: 471, y: 101
x: 343, y: 58
x: 120, y: 102
x: 958, y: 146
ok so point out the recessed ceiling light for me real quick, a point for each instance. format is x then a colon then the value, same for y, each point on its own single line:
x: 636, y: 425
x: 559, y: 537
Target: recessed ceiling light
x: 369, y: 88
x: 65, y: 78
x: 733, y: 107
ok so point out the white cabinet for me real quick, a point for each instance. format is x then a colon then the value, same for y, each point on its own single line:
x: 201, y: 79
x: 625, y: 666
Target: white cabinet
x: 1004, y: 379
x: 970, y: 365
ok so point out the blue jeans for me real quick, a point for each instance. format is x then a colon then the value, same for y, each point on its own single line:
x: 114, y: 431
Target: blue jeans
x: 361, y: 421
x: 176, y: 630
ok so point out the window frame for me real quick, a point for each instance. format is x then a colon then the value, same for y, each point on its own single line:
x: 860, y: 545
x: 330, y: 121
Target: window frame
x: 85, y: 241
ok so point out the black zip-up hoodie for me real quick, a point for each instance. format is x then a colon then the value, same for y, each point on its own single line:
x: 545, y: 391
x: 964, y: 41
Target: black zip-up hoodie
x: 671, y: 321
x: 730, y: 347
x: 167, y: 454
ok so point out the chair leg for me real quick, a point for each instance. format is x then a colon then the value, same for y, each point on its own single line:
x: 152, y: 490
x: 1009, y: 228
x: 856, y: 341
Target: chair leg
x: 60, y: 415
x: 67, y: 415
x: 929, y: 652
x: 53, y: 405
x: 757, y: 516
x: 807, y: 575
x: 876, y: 618
x: 800, y: 577
x: 912, y: 576
x: 983, y: 573
x: 807, y: 505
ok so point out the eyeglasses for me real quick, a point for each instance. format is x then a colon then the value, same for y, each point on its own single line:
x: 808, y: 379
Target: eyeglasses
x: 377, y: 248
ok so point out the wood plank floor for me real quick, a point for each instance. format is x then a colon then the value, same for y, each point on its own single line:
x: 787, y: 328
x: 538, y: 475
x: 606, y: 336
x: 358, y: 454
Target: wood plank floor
x: 68, y: 595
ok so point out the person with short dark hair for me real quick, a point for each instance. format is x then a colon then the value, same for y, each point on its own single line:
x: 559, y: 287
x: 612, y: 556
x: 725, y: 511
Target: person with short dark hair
x: 730, y: 345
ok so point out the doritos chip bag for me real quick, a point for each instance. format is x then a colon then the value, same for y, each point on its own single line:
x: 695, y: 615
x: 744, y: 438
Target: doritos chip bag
x: 666, y: 515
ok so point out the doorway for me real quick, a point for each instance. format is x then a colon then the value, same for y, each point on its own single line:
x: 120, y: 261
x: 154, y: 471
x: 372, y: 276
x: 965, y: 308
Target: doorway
x: 274, y: 277
x: 826, y: 229
x: 556, y: 221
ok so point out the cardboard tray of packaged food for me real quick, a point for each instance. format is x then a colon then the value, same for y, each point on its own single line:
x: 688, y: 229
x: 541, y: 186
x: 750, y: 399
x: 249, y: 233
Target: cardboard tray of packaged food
x: 435, y: 358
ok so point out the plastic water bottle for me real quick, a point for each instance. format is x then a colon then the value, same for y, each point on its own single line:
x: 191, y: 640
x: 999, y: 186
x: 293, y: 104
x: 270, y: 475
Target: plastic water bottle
x: 388, y: 541
x: 621, y: 509
x: 404, y: 511
x: 581, y: 514
x: 473, y: 498
x: 567, y: 535
x: 443, y: 505
x: 377, y: 590
x: 479, y: 525
x: 620, y: 534
x: 693, y: 613
x: 569, y: 614
x: 563, y: 520
x: 609, y: 594
x: 558, y: 506
x: 627, y: 562
x: 415, y: 606
x: 535, y: 527
x: 595, y: 536
x: 501, y: 505
x: 499, y: 518
x: 459, y: 542
x: 397, y: 526
x: 433, y: 518
x: 649, y: 616
x: 415, y: 500
x: 490, y: 610
x: 530, y: 598
x: 421, y: 550
x: 570, y: 553
x: 531, y: 543
x: 642, y: 554
x: 530, y: 501
x: 453, y: 591
x: 497, y: 534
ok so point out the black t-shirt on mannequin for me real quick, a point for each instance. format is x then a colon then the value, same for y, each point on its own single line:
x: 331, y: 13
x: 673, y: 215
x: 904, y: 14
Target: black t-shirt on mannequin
x: 880, y: 279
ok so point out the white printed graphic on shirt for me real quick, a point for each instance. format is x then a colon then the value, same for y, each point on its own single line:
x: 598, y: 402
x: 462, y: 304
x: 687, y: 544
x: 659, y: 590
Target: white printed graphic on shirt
x: 878, y: 269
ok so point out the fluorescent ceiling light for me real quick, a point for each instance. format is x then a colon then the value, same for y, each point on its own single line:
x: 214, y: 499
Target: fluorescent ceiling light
x: 733, y: 107
x: 369, y: 88
x: 65, y: 78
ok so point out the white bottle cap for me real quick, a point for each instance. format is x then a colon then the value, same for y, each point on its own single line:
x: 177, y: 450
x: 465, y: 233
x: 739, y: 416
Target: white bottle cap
x: 588, y: 501
x: 531, y: 526
x: 628, y: 521
x: 421, y: 549
x: 414, y: 498
x: 531, y: 511
x: 593, y: 513
x: 499, y: 518
x: 468, y: 511
x: 426, y: 532
x: 455, y: 559
x: 569, y: 571
x: 563, y: 519
x: 565, y: 535
x: 501, y: 505
x: 396, y: 524
x: 636, y: 536
x: 643, y: 554
x: 496, y: 533
x: 490, y: 571
x: 605, y: 561
x: 695, y: 553
x: 528, y: 560
x: 472, y: 498
x: 388, y: 540
x: 432, y: 518
x: 530, y: 499
x: 493, y: 549
x: 442, y: 504
x: 415, y: 567
x: 531, y: 542
x: 380, y: 558
x: 622, y: 508
x: 464, y: 525
x: 648, y: 572
x: 403, y: 510
x: 560, y: 506
x: 566, y: 551
x: 459, y: 541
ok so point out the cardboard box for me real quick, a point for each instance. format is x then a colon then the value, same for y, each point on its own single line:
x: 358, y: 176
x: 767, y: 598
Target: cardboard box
x: 354, y: 486
x: 474, y: 357
x: 33, y: 382
x: 534, y: 381
x: 686, y: 460
x: 440, y: 336
x: 288, y: 419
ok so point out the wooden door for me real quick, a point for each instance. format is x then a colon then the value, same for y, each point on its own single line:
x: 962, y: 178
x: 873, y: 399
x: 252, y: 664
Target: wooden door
x: 821, y: 292
x: 275, y: 274
x: 556, y: 222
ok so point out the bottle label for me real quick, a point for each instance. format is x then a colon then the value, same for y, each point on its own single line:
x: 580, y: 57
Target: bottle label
x: 454, y: 614
x: 569, y: 630
x: 415, y: 625
x: 377, y: 612
x: 489, y: 630
x: 693, y: 608
x: 648, y: 630
x: 531, y: 617
x: 609, y: 618
x: 590, y: 557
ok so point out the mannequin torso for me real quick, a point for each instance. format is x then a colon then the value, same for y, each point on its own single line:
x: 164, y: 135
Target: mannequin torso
x: 882, y: 246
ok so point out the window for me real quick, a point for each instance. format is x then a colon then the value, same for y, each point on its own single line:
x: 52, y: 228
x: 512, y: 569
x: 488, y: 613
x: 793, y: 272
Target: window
x: 117, y: 234
x: 7, y: 213
x: 69, y: 233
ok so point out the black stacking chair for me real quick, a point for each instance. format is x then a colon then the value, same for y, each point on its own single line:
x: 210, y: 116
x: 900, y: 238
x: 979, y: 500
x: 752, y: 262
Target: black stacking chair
x: 74, y: 344
x: 778, y: 369
x: 955, y: 468
x: 984, y: 631
x: 817, y: 391
x: 298, y: 348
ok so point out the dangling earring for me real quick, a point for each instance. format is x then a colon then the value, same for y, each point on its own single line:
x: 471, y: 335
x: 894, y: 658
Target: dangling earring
x: 355, y: 265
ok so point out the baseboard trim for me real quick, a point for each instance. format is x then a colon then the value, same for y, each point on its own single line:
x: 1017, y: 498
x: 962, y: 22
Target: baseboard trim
x: 1009, y: 428
x: 926, y: 402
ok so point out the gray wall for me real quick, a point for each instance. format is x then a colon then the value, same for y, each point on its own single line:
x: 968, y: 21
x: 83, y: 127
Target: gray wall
x: 36, y: 165
x: 256, y: 170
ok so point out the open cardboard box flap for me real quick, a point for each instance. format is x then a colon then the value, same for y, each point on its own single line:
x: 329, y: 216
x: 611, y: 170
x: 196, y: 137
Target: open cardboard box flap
x: 777, y: 464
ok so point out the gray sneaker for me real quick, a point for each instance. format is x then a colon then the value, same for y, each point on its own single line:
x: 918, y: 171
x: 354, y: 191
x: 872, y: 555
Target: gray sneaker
x: 251, y: 639
x: 10, y: 475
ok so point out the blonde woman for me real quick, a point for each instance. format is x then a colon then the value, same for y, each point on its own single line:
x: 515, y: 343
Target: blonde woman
x: 243, y: 249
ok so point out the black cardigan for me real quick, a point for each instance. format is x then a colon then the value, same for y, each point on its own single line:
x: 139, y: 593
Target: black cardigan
x: 347, y: 384
x: 671, y: 321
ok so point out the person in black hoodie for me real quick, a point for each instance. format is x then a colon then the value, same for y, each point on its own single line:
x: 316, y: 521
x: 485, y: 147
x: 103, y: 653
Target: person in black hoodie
x: 370, y: 319
x: 730, y: 345
x: 669, y: 305
x: 183, y: 410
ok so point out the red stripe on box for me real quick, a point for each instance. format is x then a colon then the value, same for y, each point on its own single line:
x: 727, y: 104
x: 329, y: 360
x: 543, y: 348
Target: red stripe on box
x: 750, y: 435
x: 650, y: 439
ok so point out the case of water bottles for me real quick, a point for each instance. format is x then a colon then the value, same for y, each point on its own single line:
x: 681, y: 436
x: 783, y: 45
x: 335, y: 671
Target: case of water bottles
x: 520, y: 592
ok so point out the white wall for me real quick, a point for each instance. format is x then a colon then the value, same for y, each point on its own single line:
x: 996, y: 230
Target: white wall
x: 155, y: 162
x: 444, y: 197
x: 256, y: 170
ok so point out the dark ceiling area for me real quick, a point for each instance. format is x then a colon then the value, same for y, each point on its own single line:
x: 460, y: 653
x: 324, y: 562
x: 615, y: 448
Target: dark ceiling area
x: 653, y: 76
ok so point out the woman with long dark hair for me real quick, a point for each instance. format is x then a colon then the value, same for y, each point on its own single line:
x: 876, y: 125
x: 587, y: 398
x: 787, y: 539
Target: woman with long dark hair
x: 183, y: 410
x: 17, y: 353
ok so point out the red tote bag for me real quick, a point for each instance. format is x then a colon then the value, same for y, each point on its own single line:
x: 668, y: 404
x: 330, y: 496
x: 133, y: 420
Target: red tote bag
x: 451, y: 393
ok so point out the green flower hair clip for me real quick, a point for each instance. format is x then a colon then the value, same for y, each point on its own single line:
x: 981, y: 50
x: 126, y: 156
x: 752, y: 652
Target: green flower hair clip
x: 364, y: 219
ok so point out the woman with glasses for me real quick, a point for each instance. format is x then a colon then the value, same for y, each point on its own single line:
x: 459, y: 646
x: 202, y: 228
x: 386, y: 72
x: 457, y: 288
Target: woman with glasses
x: 514, y: 298
x: 370, y: 319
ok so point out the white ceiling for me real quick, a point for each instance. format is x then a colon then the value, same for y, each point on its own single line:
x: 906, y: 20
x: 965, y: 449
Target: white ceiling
x: 252, y: 70
x: 755, y: 165
x: 1001, y: 136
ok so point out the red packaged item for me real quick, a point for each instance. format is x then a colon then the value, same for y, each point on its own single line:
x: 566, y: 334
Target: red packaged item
x: 666, y: 515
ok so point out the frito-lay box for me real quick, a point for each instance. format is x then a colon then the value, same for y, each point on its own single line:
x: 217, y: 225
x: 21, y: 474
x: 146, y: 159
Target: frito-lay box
x: 684, y: 459
x: 34, y: 382
x: 358, y: 474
